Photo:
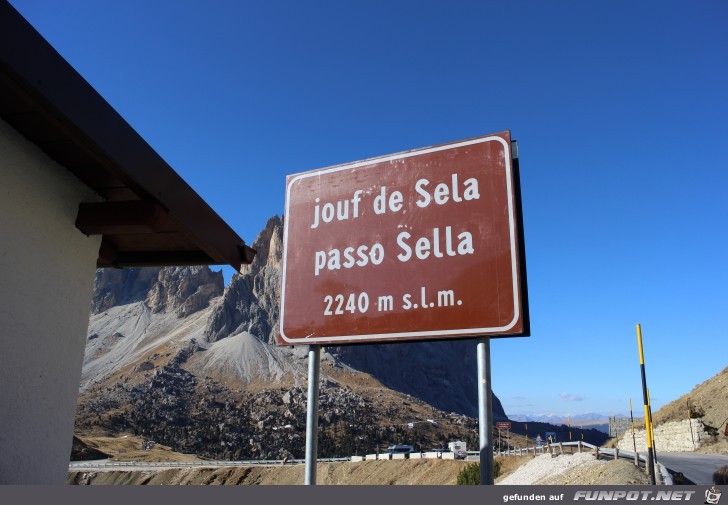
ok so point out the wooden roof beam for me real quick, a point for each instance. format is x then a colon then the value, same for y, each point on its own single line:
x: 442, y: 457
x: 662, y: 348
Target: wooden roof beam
x: 119, y: 218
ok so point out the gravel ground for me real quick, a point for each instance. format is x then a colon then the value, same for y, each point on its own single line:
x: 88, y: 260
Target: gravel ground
x: 575, y: 469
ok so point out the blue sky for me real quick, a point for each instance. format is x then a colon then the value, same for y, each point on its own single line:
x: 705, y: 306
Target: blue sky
x: 619, y: 109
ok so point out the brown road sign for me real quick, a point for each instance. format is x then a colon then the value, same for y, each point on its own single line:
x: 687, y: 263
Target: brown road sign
x: 417, y: 245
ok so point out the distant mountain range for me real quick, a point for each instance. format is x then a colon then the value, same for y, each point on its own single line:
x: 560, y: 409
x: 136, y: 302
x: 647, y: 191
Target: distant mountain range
x: 586, y: 420
x: 588, y: 417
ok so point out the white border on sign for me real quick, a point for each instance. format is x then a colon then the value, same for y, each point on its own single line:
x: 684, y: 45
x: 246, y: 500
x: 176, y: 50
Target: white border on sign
x: 311, y: 339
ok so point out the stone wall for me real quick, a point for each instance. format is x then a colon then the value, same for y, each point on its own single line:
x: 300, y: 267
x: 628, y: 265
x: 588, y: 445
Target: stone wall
x: 675, y: 436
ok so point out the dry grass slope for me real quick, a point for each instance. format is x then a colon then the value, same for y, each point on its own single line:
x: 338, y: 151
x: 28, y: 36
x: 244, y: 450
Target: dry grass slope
x: 709, y: 398
x: 405, y: 472
x: 129, y: 448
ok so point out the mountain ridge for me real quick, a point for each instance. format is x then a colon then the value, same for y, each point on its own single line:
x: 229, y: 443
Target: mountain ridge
x: 165, y: 341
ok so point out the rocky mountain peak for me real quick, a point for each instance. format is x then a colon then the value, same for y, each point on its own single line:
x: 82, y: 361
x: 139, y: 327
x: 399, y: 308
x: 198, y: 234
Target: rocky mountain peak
x: 184, y: 290
x: 268, y: 246
x: 251, y: 300
x: 440, y: 373
x: 114, y: 287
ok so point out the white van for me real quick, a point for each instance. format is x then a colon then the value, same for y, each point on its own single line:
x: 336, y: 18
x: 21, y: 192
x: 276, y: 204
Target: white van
x: 400, y: 449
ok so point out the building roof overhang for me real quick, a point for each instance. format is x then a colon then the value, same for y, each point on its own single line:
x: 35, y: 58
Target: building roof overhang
x: 150, y: 216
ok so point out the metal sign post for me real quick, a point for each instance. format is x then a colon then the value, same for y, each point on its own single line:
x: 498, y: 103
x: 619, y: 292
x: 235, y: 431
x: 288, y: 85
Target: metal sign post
x: 312, y: 407
x: 485, y: 412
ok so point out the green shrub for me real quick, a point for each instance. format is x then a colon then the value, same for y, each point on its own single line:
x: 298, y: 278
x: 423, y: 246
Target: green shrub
x: 470, y: 475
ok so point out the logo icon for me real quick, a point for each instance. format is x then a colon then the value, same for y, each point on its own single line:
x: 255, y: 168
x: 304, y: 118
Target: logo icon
x: 712, y: 495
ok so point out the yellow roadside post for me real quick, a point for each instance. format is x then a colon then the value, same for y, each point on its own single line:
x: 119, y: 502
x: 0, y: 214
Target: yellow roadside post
x: 634, y: 442
x: 652, y: 428
x: 568, y: 420
x: 690, y: 422
x: 650, y: 466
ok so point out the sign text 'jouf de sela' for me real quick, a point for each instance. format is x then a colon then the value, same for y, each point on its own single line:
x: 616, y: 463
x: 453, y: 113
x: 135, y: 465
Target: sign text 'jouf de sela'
x: 417, y: 245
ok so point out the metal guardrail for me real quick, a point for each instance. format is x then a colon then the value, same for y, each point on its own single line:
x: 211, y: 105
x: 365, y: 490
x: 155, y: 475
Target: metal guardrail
x: 542, y: 449
x: 126, y: 465
x: 108, y: 465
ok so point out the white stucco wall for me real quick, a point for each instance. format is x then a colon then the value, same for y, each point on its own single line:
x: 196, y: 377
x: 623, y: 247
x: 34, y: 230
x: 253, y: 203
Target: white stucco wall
x: 46, y: 279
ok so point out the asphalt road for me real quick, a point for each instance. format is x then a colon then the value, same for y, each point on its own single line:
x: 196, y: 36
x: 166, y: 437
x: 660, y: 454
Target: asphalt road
x: 698, y: 468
